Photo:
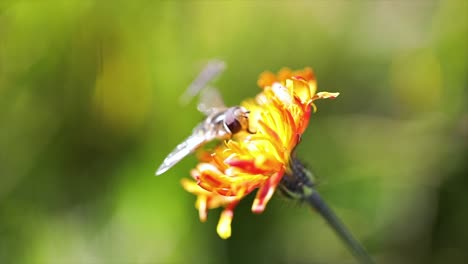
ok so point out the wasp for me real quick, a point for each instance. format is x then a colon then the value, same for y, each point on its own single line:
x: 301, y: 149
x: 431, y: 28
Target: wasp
x: 221, y: 122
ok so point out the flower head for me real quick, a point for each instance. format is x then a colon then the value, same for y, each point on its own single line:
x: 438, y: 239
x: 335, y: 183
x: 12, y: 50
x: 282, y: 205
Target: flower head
x: 279, y: 115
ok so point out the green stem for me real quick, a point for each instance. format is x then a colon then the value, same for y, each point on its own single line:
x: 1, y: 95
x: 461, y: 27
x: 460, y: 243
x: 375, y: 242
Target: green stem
x: 340, y: 229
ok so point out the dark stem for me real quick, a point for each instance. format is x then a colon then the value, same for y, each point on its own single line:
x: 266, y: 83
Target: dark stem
x: 322, y: 208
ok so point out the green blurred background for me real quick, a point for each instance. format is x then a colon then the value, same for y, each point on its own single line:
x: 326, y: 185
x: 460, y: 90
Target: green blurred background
x: 89, y: 94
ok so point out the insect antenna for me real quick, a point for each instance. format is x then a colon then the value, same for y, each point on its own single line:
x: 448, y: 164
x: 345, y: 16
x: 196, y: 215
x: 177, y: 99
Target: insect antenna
x: 299, y: 184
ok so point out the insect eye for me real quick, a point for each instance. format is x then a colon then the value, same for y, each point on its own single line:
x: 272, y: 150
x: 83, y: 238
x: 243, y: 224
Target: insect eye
x: 234, y: 126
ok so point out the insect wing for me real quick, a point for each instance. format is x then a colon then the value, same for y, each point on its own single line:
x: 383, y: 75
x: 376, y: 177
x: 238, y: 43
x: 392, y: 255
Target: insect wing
x: 209, y: 72
x: 211, y: 101
x: 181, y: 151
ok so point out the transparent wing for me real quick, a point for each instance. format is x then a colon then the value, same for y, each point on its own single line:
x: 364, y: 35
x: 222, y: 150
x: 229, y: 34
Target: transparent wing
x: 210, y: 101
x: 212, y: 69
x: 203, y: 133
x: 181, y: 151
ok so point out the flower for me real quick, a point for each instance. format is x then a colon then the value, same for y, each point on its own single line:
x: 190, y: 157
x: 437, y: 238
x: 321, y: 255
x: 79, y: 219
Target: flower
x: 279, y: 115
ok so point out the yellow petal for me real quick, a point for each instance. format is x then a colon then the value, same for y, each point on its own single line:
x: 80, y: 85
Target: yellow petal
x: 325, y: 95
x: 224, y: 224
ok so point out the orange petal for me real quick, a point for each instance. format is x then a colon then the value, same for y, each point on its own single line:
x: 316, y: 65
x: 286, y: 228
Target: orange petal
x: 248, y: 166
x: 284, y: 74
x: 304, y: 122
x: 266, y: 191
x: 266, y: 79
x: 306, y: 73
x: 210, y: 175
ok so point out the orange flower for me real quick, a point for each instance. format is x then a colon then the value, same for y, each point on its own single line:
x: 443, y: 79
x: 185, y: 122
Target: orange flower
x: 280, y: 114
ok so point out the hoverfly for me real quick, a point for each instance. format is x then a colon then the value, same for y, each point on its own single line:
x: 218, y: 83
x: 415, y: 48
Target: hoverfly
x: 221, y: 122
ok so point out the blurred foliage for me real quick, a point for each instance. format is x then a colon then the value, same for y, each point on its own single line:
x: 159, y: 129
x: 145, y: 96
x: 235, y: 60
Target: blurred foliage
x: 89, y: 108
